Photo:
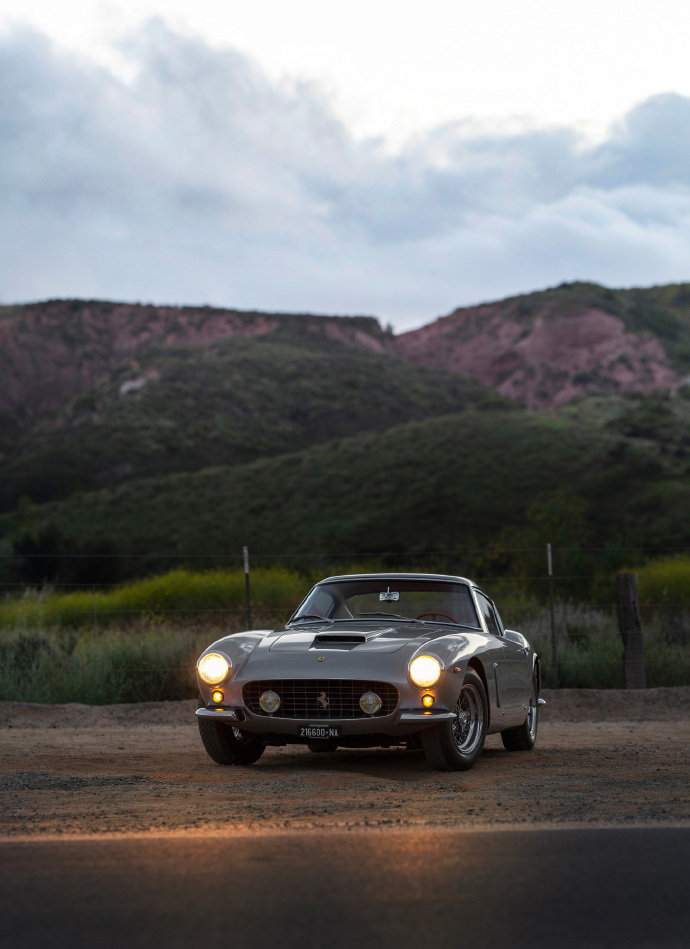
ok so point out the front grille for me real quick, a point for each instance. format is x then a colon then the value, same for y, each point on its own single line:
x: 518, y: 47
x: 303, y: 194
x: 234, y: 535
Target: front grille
x: 311, y: 699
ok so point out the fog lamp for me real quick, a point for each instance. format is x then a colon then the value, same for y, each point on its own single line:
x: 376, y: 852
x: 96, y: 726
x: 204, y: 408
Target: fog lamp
x: 269, y: 702
x: 370, y: 702
x: 213, y: 668
x: 425, y: 671
x: 428, y: 701
x: 217, y: 696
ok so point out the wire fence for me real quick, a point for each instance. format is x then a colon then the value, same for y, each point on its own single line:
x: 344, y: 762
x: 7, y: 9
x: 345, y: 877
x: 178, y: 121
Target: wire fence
x: 569, y: 615
x: 555, y: 597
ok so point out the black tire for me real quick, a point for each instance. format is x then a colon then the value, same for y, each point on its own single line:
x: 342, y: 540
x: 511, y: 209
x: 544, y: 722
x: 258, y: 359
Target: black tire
x: 523, y: 737
x: 226, y: 744
x: 455, y: 745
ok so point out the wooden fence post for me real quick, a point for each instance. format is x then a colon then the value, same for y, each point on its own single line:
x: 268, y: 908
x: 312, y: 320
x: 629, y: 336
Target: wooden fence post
x: 630, y: 625
x: 554, y: 649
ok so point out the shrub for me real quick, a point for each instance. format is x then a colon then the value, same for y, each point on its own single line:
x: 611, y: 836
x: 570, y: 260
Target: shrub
x: 665, y: 583
x: 178, y: 596
x: 112, y: 667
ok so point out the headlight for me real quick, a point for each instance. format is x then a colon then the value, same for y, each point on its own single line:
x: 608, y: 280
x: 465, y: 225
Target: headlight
x: 213, y: 668
x: 425, y: 671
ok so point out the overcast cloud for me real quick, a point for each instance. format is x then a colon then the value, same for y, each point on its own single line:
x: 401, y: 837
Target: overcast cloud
x: 202, y: 181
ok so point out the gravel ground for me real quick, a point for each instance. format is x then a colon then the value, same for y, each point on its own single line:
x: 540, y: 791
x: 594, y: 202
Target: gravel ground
x: 602, y: 758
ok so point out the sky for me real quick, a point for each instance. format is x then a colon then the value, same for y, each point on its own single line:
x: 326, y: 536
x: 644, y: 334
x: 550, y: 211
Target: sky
x: 386, y: 158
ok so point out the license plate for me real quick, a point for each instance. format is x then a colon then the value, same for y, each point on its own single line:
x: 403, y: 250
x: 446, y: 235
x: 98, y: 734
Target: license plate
x: 319, y: 731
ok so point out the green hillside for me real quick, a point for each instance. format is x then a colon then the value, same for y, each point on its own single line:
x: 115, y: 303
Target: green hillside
x: 184, y: 408
x: 604, y: 474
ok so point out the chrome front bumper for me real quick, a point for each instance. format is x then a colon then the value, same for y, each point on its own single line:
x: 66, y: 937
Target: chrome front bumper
x: 401, y: 720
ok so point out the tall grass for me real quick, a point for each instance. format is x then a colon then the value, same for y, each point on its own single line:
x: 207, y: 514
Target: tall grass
x: 139, y: 642
x: 100, y: 669
x: 178, y: 596
x: 589, y: 648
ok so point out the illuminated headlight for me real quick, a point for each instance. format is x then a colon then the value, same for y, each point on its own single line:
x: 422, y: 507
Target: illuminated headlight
x: 425, y: 671
x: 213, y: 668
x: 370, y: 702
x: 269, y: 702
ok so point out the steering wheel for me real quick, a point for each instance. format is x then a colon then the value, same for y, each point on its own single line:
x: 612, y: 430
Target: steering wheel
x: 437, y: 613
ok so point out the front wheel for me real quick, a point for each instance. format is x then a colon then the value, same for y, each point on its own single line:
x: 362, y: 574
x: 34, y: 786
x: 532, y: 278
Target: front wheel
x: 227, y: 744
x: 523, y: 737
x: 455, y: 745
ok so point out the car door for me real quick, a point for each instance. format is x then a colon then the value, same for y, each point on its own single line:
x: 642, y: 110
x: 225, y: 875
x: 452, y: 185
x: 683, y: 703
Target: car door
x: 512, y: 670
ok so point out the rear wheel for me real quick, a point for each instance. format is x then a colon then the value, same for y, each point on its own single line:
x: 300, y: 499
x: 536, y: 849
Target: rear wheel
x: 523, y: 737
x: 227, y: 744
x: 455, y: 745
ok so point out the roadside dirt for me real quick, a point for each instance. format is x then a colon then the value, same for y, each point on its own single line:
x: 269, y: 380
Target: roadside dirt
x: 602, y: 757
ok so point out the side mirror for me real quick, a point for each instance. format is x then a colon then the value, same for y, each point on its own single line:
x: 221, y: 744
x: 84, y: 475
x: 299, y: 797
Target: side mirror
x: 516, y: 637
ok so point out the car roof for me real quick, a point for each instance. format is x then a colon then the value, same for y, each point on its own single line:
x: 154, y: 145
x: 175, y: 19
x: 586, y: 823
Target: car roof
x: 399, y: 576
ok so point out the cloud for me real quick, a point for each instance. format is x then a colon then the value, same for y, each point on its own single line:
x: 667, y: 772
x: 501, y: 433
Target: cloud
x: 650, y: 146
x: 202, y: 181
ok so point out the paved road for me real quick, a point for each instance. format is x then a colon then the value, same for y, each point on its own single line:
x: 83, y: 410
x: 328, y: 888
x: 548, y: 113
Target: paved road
x: 565, y: 888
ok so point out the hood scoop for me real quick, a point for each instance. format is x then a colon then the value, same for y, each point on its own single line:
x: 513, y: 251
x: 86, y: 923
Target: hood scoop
x: 344, y: 637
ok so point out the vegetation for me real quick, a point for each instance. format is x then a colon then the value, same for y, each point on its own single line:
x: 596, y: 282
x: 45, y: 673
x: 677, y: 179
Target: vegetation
x: 146, y: 665
x: 179, y: 597
x: 244, y: 399
x: 149, y: 662
x: 140, y: 641
x: 315, y: 446
x: 665, y: 583
x: 480, y: 492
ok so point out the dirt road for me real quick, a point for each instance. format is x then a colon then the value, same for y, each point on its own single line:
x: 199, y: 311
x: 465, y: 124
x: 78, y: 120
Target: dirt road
x: 602, y: 757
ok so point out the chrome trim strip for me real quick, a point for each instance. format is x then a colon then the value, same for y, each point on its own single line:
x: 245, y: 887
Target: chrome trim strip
x: 426, y: 717
x: 218, y: 713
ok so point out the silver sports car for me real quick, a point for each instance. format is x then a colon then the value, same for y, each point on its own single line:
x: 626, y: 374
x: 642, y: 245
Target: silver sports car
x: 370, y: 660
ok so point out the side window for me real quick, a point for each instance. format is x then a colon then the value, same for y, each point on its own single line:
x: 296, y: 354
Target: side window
x: 489, y: 614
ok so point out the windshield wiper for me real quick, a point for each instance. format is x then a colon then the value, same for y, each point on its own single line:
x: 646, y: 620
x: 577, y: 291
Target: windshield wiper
x: 311, y: 617
x: 408, y: 619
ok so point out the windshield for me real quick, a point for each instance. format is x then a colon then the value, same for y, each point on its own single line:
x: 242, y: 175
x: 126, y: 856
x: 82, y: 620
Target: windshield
x: 437, y: 601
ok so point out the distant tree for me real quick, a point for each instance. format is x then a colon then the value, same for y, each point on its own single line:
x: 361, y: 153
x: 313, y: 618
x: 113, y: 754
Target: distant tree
x: 48, y: 556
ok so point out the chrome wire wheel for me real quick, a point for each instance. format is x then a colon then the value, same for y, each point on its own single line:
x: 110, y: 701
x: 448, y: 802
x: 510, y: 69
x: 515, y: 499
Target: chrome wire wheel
x: 468, y: 725
x: 456, y: 743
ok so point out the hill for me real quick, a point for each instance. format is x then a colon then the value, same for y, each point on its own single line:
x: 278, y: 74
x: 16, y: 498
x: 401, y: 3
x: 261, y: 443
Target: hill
x: 545, y: 349
x: 464, y: 487
x: 188, y: 407
x: 52, y: 352
x: 149, y: 433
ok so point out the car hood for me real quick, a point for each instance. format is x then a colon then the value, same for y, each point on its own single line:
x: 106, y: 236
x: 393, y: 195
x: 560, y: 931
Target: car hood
x: 375, y: 638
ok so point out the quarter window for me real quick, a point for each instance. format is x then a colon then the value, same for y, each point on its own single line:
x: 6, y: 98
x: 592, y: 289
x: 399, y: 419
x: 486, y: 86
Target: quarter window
x: 489, y: 613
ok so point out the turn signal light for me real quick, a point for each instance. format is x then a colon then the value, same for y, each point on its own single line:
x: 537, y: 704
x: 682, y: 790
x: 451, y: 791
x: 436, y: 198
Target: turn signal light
x: 217, y: 696
x: 428, y: 701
